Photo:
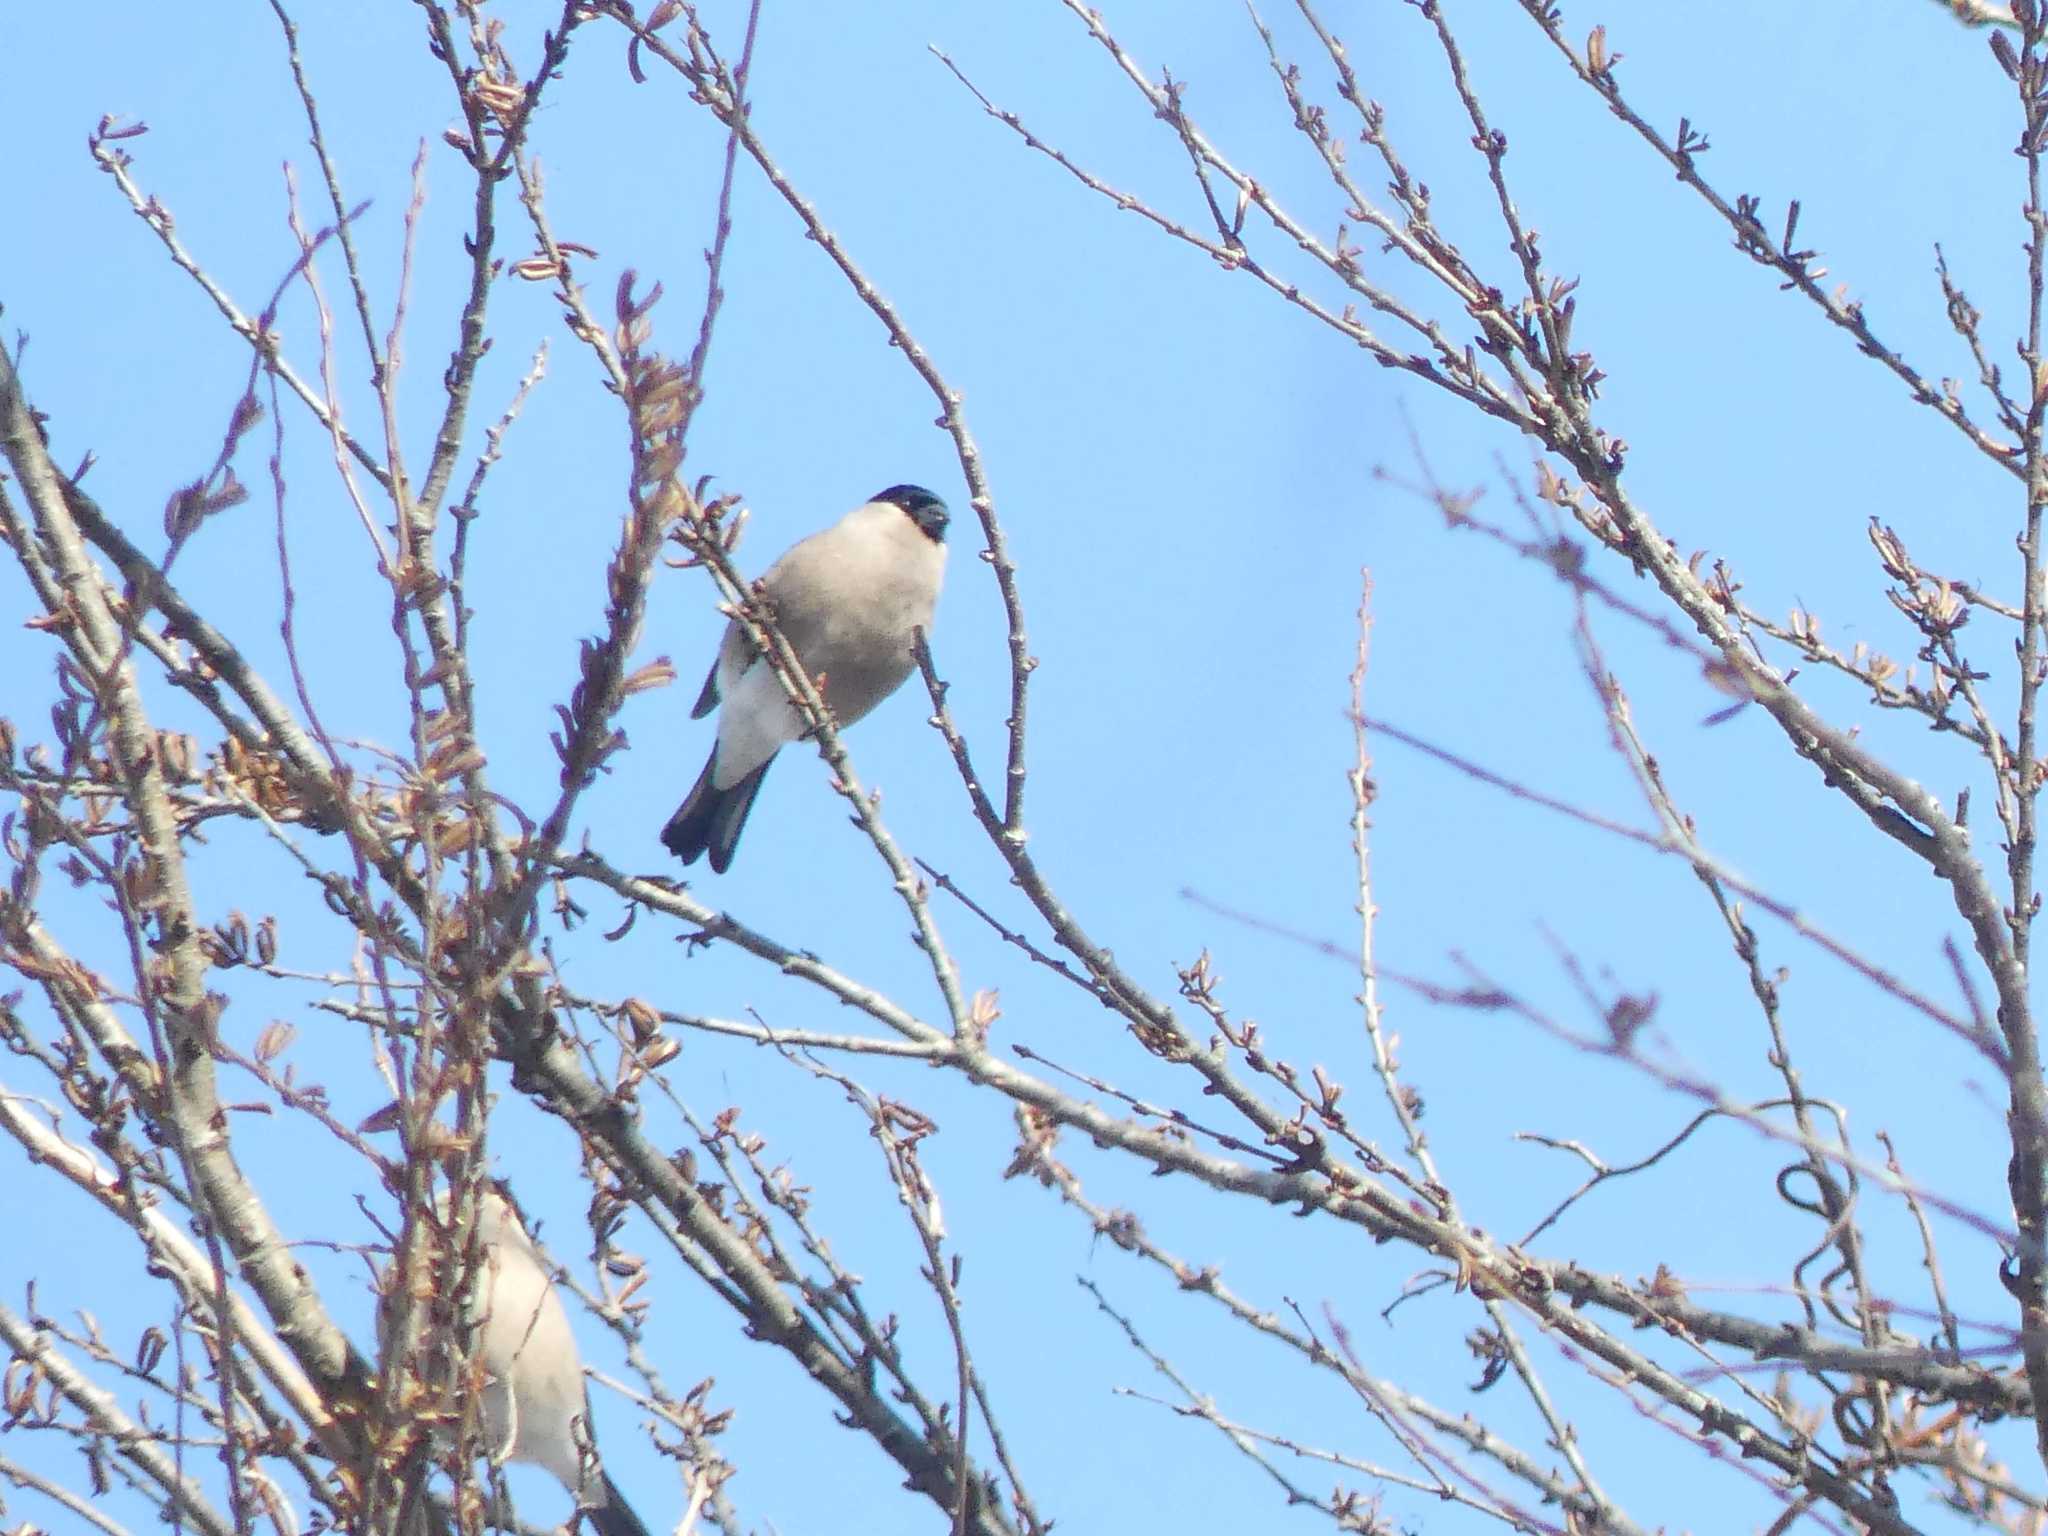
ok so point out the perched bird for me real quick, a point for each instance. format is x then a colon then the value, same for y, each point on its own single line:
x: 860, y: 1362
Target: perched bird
x: 847, y: 599
x: 533, y: 1394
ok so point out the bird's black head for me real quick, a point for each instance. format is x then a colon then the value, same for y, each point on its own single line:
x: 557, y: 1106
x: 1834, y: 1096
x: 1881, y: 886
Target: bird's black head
x: 921, y: 506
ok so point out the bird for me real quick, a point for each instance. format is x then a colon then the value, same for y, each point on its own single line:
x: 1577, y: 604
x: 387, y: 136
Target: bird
x: 848, y: 599
x: 535, y: 1407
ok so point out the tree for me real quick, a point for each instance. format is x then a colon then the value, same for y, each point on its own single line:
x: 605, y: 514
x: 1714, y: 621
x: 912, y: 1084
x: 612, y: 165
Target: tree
x: 307, y: 927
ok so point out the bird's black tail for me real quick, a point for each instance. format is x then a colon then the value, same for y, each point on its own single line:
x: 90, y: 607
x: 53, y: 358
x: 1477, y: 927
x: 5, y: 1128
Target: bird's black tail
x: 614, y: 1517
x: 711, y: 819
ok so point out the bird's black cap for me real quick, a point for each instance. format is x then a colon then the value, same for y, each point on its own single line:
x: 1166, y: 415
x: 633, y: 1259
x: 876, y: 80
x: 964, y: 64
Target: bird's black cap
x: 923, y: 507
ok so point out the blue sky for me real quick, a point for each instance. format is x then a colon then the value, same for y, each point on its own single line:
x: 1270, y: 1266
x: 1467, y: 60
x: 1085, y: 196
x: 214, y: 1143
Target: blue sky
x: 1186, y: 471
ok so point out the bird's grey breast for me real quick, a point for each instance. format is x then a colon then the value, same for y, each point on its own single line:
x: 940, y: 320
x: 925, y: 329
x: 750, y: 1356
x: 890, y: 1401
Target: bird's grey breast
x: 850, y: 614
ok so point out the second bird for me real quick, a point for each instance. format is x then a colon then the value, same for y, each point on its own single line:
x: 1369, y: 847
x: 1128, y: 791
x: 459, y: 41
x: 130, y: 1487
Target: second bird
x: 848, y: 600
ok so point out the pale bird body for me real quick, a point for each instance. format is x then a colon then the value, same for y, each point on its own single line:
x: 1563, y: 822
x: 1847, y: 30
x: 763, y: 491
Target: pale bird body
x: 534, y: 1405
x: 849, y: 600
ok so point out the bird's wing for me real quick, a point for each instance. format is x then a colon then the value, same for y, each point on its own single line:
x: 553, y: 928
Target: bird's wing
x: 735, y: 655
